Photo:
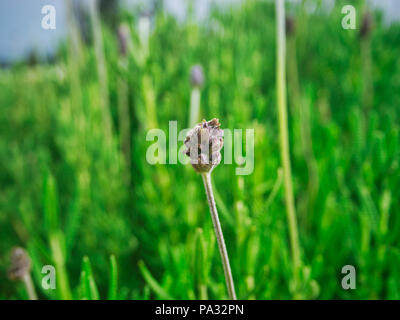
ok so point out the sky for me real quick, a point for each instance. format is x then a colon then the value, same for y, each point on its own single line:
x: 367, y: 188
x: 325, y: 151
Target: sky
x: 21, y: 31
x: 21, y: 27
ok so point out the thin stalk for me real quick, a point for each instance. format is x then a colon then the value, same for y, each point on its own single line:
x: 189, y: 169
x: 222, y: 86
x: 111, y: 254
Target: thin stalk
x: 124, y: 124
x: 366, y: 59
x: 194, y: 106
x: 149, y: 96
x: 30, y: 288
x: 101, y: 66
x: 220, y: 237
x: 113, y: 284
x: 144, y: 37
x: 59, y: 260
x: 75, y: 57
x: 75, y: 41
x: 301, y: 108
x: 284, y: 140
x: 368, y: 87
x: 203, y: 292
x: 78, y: 122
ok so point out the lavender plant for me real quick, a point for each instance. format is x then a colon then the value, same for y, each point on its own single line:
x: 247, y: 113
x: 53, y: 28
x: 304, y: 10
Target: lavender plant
x: 124, y: 41
x: 284, y: 138
x: 204, y: 143
x: 21, y: 270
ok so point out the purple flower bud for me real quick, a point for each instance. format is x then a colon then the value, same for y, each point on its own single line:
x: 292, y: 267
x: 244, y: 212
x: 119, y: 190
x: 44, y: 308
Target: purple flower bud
x: 366, y: 25
x: 290, y: 25
x: 197, y: 76
x: 123, y: 39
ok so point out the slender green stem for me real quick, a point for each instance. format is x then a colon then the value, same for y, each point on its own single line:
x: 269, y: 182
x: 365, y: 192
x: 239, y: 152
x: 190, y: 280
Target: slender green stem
x: 101, y: 66
x: 194, y: 106
x: 301, y: 108
x: 368, y: 87
x: 149, y: 96
x: 284, y: 140
x: 75, y: 40
x: 113, y: 286
x: 30, y: 288
x: 124, y: 124
x: 220, y: 237
x: 59, y: 260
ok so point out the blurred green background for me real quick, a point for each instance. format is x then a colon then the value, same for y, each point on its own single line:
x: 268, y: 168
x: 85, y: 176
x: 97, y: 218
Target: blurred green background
x: 77, y: 191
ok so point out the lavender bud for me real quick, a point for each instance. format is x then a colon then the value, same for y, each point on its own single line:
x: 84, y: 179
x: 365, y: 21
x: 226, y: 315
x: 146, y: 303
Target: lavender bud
x: 290, y: 24
x: 123, y: 39
x: 204, y: 143
x: 366, y: 25
x: 197, y: 76
x: 20, y: 264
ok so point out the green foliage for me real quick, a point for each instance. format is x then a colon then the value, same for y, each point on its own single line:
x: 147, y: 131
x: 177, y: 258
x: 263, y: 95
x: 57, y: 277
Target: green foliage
x: 113, y: 284
x: 88, y: 288
x: 70, y: 192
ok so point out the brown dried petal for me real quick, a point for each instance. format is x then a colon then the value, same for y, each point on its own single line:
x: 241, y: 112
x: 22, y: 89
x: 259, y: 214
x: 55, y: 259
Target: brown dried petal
x: 207, y: 139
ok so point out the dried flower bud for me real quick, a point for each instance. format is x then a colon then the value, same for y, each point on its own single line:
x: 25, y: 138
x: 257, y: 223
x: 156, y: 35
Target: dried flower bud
x: 147, y: 12
x: 20, y: 264
x: 290, y: 24
x: 123, y: 39
x: 204, y: 143
x: 197, y: 76
x: 366, y: 25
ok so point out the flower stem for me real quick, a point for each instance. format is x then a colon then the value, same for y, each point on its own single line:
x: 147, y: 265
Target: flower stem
x: 220, y: 237
x: 194, y: 106
x: 284, y: 140
x: 30, y: 288
x: 101, y: 67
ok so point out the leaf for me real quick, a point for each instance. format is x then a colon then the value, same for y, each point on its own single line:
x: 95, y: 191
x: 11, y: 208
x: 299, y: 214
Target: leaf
x: 199, y: 264
x: 88, y: 284
x: 50, y: 203
x: 72, y: 223
x: 113, y: 285
x: 154, y: 285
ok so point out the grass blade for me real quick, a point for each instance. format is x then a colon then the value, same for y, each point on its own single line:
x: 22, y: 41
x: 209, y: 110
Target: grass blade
x: 113, y: 286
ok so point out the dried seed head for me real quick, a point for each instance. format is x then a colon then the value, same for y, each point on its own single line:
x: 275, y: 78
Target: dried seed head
x: 366, y: 25
x: 123, y: 39
x: 204, y: 143
x: 197, y: 76
x: 20, y: 264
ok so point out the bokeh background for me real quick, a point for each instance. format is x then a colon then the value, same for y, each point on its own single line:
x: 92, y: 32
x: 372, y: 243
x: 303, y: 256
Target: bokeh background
x: 76, y: 189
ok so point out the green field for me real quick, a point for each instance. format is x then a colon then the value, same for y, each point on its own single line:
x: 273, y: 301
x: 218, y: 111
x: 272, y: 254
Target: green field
x: 77, y: 192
